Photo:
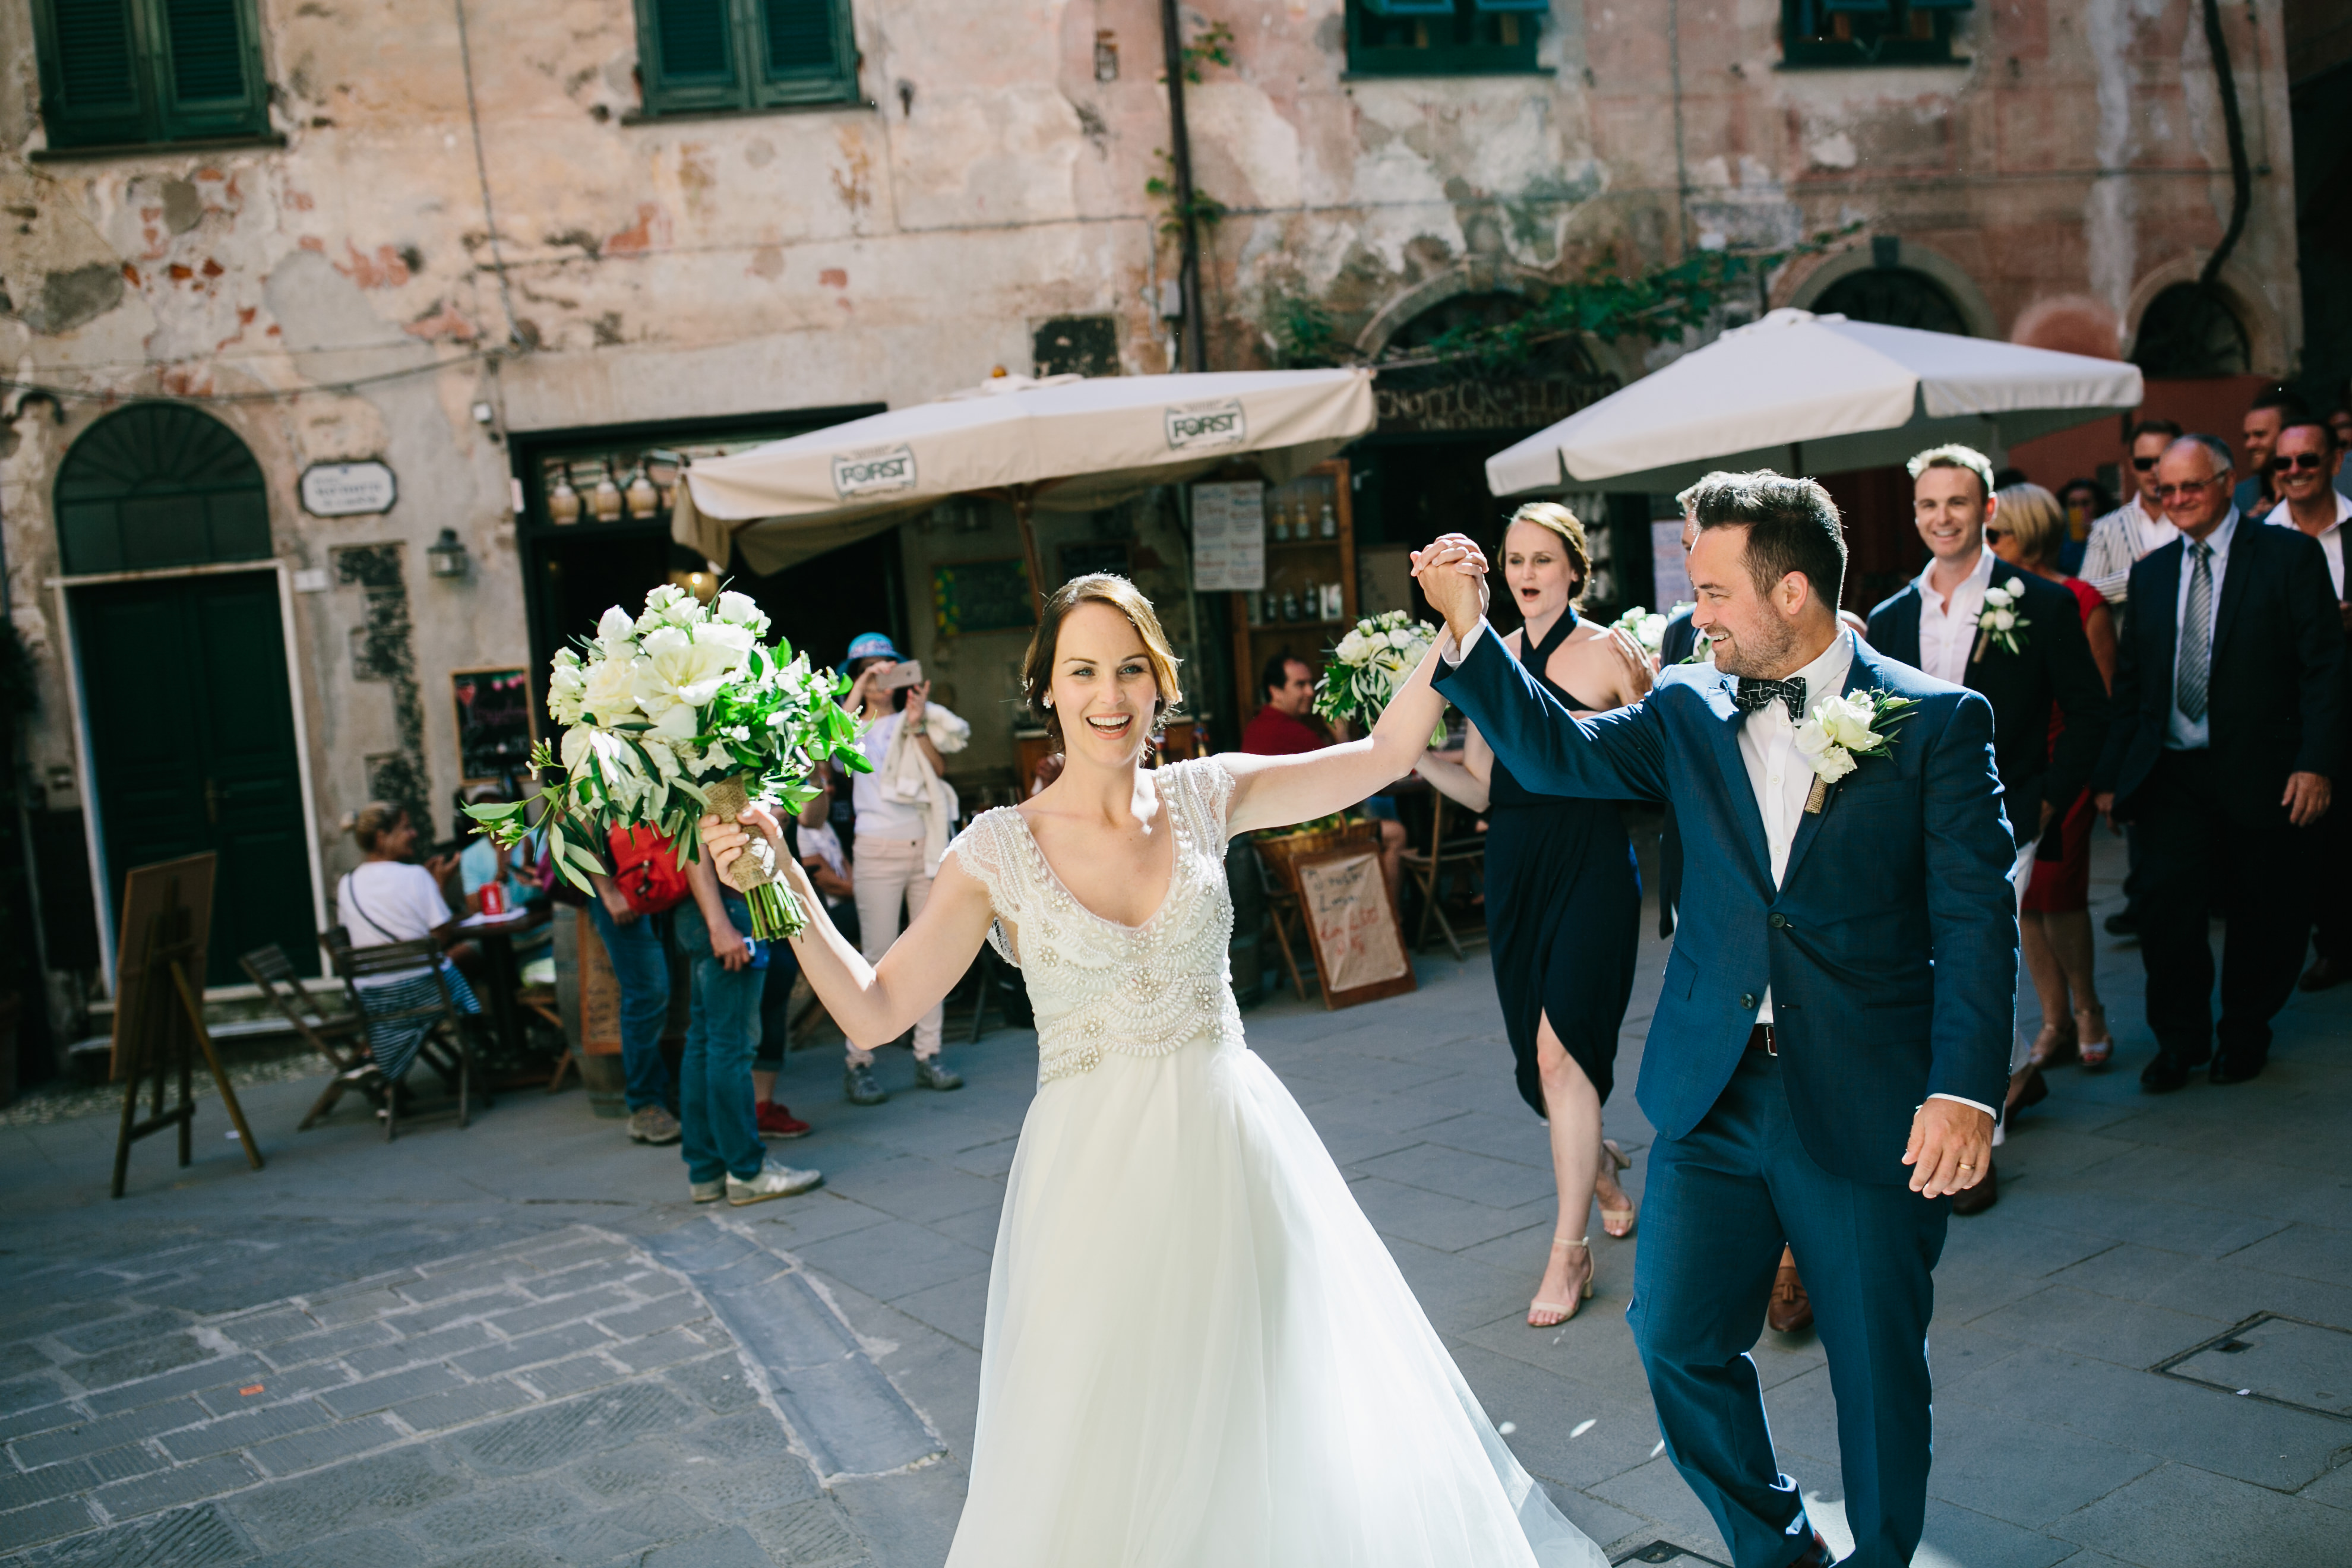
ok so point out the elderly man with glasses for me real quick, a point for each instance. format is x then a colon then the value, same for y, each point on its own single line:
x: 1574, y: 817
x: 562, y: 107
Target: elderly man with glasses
x: 2227, y: 698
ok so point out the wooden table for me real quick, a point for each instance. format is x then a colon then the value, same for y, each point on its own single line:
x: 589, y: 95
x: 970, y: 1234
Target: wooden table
x: 497, y: 934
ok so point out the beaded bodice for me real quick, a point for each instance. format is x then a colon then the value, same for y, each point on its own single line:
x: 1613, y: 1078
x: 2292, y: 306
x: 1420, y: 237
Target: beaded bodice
x: 1098, y: 986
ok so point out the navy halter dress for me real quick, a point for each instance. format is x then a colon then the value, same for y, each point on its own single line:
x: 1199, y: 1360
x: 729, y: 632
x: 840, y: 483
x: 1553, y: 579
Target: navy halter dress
x: 1563, y: 912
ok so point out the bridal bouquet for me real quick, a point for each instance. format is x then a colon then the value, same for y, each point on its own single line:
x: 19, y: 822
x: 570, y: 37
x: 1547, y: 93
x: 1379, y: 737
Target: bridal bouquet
x: 678, y: 712
x: 1647, y: 628
x: 1367, y: 666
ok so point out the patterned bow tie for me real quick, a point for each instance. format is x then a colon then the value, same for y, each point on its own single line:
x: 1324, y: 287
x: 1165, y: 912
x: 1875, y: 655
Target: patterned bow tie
x: 1752, y: 694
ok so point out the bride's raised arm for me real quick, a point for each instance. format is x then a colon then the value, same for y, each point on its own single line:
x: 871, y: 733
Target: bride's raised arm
x: 873, y: 1003
x: 1275, y: 792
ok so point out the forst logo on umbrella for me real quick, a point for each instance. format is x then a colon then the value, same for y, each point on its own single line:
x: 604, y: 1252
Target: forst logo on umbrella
x: 1196, y: 424
x: 875, y: 470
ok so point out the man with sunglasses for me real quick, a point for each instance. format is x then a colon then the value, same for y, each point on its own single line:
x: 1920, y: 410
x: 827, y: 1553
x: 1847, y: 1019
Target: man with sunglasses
x: 2271, y: 413
x: 2302, y: 468
x: 2228, y: 697
x: 2121, y: 539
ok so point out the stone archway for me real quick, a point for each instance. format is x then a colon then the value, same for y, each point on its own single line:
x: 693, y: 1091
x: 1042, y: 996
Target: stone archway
x: 159, y: 484
x: 1887, y: 253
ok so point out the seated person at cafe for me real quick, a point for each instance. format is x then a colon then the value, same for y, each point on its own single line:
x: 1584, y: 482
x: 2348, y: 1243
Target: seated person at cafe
x: 1287, y: 725
x: 386, y: 899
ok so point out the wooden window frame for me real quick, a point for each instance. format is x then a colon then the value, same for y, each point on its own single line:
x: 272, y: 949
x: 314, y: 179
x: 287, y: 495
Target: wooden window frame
x: 753, y: 89
x: 159, y: 118
x: 1370, y: 58
x: 1912, y: 33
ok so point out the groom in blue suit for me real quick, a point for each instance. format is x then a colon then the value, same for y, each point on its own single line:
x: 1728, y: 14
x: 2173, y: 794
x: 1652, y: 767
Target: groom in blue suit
x: 1834, y: 1030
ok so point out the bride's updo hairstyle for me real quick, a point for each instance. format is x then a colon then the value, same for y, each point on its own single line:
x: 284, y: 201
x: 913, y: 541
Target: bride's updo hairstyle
x: 1101, y: 588
x: 1557, y: 519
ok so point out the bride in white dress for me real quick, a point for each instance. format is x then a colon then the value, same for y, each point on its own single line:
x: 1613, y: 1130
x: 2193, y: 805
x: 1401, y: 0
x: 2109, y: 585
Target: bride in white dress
x: 1198, y: 1353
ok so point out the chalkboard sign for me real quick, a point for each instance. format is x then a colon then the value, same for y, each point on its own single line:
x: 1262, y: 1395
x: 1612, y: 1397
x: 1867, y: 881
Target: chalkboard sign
x: 494, y: 721
x: 982, y: 596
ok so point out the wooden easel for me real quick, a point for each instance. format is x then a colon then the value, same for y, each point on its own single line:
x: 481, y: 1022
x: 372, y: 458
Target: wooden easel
x: 164, y: 1027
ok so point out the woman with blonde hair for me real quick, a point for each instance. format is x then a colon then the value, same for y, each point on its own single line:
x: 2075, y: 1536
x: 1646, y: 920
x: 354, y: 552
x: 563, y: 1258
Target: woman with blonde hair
x: 2028, y: 531
x: 1563, y: 895
x: 1197, y: 1350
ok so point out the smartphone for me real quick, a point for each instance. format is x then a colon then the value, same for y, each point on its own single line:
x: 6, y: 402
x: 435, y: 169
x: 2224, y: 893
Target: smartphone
x: 908, y: 672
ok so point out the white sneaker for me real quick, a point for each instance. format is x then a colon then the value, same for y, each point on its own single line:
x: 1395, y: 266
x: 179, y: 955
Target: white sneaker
x: 772, y: 1181
x: 708, y: 1191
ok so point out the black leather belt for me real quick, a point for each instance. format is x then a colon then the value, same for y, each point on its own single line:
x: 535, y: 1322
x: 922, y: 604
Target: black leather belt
x: 1760, y: 1038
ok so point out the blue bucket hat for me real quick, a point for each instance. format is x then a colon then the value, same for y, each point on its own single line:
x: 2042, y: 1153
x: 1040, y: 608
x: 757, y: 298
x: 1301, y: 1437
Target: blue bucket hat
x: 871, y: 645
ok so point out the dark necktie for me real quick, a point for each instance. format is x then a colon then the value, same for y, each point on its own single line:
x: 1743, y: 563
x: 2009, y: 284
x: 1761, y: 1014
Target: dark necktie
x: 2196, y: 636
x: 1753, y: 694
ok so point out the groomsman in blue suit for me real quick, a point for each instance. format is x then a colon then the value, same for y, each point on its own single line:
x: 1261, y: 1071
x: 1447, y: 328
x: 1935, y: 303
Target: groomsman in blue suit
x: 1834, y: 1025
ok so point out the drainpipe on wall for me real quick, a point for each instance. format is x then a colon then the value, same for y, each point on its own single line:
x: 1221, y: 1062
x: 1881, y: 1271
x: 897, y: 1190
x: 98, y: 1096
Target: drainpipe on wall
x: 2233, y: 127
x: 1188, y: 273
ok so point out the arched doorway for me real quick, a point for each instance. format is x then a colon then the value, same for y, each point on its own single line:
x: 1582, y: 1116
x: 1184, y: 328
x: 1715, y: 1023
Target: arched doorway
x: 2190, y: 330
x: 190, y: 738
x: 1893, y: 297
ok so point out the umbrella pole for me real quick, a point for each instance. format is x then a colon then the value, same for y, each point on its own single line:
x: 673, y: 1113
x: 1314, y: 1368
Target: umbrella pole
x: 1023, y: 504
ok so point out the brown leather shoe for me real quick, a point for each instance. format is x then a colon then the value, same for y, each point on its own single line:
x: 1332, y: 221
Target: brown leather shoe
x: 2322, y: 974
x: 1791, y: 1312
x: 1980, y: 1197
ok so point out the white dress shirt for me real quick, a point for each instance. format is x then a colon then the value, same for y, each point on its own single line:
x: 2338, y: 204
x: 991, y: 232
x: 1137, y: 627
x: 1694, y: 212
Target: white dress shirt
x: 2187, y: 734
x: 1947, y: 629
x: 2120, y: 539
x: 2331, y: 538
x: 1777, y: 770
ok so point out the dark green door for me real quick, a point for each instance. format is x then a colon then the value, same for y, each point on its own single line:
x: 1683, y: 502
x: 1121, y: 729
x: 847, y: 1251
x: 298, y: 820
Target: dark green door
x: 191, y: 736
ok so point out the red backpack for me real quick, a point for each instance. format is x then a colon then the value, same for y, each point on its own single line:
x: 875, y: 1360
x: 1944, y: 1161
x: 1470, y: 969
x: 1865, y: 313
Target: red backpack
x: 646, y: 868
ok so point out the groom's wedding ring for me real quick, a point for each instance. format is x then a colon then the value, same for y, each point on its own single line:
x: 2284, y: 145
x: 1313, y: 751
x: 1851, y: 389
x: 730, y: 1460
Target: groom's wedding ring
x: 1966, y: 1166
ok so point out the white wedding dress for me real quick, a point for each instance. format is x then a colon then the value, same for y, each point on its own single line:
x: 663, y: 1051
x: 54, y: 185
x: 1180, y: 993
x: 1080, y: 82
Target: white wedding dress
x: 1198, y: 1353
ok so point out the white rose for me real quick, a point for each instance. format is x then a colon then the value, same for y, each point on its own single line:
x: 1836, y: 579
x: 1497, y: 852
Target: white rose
x: 1400, y: 639
x: 614, y: 632
x: 735, y: 639
x: 567, y: 687
x: 1353, y: 648
x: 1846, y: 722
x: 739, y: 609
x: 2003, y: 620
x: 1821, y: 752
x: 1998, y: 595
x: 607, y: 694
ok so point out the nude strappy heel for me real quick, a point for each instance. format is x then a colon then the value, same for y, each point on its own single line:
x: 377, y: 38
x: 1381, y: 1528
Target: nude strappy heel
x: 1566, y: 1310
x: 1611, y: 1218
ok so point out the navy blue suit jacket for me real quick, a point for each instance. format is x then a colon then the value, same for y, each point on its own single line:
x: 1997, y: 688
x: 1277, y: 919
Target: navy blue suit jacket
x: 1890, y: 946
x: 2052, y: 669
x: 2276, y: 685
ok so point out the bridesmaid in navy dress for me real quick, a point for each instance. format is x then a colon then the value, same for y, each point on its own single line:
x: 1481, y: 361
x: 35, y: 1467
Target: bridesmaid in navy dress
x: 1563, y: 895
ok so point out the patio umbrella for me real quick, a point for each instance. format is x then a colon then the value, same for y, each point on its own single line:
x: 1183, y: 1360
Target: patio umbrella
x: 1066, y: 443
x: 1803, y: 394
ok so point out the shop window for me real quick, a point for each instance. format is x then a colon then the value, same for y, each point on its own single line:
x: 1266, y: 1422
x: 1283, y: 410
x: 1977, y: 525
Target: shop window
x: 1868, y: 32
x: 156, y: 485
x: 705, y: 57
x: 136, y: 72
x: 2190, y: 330
x: 1444, y: 37
x: 1893, y: 297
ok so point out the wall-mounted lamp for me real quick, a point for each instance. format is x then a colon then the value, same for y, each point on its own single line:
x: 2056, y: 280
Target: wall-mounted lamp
x: 446, y: 556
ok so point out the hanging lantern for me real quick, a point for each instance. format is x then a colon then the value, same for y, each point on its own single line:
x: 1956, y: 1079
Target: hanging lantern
x: 563, y: 501
x: 446, y: 556
x: 607, y: 498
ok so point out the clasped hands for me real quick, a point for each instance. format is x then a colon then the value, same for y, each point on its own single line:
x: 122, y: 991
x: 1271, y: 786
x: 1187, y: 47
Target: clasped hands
x: 1453, y: 575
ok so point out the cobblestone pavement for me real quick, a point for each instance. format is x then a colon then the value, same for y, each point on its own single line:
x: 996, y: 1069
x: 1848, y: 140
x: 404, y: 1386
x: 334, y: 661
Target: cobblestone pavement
x: 520, y: 1344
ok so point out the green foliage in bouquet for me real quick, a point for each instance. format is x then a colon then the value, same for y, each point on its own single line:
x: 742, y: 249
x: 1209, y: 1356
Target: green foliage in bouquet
x: 1364, y: 670
x: 682, y: 710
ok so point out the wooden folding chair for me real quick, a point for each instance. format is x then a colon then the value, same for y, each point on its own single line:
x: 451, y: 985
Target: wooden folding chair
x: 448, y: 1045
x: 1428, y: 869
x: 1281, y: 908
x: 341, y: 1037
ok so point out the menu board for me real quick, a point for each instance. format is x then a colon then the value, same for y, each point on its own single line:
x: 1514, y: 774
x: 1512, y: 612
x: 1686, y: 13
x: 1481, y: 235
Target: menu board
x: 1352, y: 927
x: 1228, y: 537
x: 982, y: 596
x: 494, y: 721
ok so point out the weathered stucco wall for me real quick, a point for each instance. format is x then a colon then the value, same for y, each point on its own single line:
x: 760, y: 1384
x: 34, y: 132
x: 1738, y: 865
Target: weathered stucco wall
x: 887, y: 251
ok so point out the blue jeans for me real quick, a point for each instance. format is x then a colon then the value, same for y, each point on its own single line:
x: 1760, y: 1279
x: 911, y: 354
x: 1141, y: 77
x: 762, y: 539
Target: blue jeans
x: 720, y: 1132
x: 642, y: 966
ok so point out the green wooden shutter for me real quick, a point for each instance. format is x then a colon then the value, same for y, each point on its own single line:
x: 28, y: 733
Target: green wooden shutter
x: 208, y: 69
x: 806, y: 52
x: 90, y: 78
x: 687, y: 56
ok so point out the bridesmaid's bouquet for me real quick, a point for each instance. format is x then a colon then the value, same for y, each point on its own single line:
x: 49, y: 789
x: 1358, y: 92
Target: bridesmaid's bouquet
x: 681, y: 711
x: 1645, y: 626
x: 1377, y: 656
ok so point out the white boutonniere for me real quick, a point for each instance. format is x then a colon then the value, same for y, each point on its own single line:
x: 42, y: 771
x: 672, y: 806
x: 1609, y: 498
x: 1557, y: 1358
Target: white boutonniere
x: 1845, y: 729
x: 1999, y: 621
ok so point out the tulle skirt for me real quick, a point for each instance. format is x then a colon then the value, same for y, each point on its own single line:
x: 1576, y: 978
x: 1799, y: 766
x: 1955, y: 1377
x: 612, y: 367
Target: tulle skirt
x: 1199, y: 1354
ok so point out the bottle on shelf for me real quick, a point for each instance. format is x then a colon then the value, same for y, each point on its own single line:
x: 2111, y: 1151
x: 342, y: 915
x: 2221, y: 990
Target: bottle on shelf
x: 1330, y: 522
x: 1281, y: 530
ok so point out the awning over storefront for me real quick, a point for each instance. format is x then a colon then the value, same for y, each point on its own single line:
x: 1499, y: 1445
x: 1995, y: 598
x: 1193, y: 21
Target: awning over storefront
x: 1813, y: 394
x: 1066, y: 443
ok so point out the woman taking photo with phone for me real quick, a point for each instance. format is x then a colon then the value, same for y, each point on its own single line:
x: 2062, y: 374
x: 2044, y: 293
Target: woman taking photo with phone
x: 905, y: 812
